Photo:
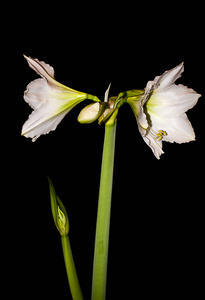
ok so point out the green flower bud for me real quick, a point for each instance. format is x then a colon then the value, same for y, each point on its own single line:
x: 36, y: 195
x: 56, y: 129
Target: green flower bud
x: 59, y: 213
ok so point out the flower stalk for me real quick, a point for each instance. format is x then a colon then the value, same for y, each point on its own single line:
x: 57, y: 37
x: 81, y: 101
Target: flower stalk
x: 104, y: 212
x: 70, y: 269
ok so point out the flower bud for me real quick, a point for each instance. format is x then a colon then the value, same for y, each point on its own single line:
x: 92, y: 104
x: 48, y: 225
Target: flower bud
x: 91, y: 112
x: 59, y: 213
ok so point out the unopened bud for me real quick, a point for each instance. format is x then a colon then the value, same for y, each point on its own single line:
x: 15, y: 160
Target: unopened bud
x: 59, y: 213
x: 91, y: 112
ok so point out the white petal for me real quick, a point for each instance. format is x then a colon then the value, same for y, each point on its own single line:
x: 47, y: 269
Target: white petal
x: 37, y: 92
x: 41, y: 68
x: 172, y: 101
x: 178, y: 129
x: 154, y: 144
x: 149, y: 138
x: 169, y: 77
x: 163, y: 81
x: 43, y: 120
x: 47, y: 72
x: 148, y: 90
x: 139, y: 113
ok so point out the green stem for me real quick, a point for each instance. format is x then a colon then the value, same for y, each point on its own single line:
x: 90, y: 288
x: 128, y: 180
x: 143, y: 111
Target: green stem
x: 103, y: 215
x: 93, y: 98
x: 70, y: 269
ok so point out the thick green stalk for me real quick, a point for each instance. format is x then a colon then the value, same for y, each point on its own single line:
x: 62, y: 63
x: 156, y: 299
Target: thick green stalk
x: 70, y: 269
x: 103, y: 215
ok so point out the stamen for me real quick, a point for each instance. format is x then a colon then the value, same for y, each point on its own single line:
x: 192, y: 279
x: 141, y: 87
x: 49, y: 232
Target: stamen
x: 161, y: 134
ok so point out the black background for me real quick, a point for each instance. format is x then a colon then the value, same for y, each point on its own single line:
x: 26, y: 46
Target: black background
x: 156, y: 223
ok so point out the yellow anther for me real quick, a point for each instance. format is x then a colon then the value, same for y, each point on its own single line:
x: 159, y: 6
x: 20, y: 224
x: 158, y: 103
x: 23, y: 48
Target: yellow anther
x: 161, y: 134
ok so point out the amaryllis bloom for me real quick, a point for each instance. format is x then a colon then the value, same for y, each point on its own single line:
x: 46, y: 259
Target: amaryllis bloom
x: 160, y: 110
x: 50, y: 100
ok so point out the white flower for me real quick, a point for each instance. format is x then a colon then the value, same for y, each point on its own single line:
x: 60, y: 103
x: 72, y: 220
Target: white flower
x: 50, y: 100
x: 160, y: 111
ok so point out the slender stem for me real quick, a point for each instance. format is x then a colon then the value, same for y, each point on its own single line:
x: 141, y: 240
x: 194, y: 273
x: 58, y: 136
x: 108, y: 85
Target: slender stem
x: 70, y: 269
x: 94, y: 98
x: 103, y: 215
